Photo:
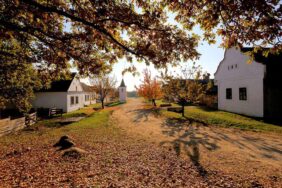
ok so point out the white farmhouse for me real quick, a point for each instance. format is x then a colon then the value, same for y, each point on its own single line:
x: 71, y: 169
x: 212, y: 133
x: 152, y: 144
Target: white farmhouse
x: 252, y: 89
x: 122, y: 92
x: 89, y: 94
x: 64, y: 94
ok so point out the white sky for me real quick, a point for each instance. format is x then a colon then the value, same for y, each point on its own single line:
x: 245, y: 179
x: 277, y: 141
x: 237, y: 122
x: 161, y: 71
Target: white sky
x: 210, y: 57
x: 209, y: 60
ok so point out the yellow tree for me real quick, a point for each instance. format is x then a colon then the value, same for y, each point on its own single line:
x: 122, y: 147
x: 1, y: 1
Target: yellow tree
x: 150, y: 88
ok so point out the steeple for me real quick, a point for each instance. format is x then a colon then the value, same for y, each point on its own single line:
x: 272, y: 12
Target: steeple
x: 122, y: 91
x: 122, y: 83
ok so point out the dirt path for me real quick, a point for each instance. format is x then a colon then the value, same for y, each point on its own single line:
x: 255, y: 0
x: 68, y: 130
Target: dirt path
x: 231, y: 151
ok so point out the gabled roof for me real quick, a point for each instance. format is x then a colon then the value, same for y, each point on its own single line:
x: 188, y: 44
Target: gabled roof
x: 87, y: 88
x: 274, y: 58
x: 122, y: 83
x: 59, y: 85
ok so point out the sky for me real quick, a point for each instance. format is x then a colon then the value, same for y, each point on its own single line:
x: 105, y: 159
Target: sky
x: 210, y: 57
x: 209, y: 60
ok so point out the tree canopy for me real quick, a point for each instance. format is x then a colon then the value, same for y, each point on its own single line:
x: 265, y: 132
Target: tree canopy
x: 187, y: 87
x: 93, y: 35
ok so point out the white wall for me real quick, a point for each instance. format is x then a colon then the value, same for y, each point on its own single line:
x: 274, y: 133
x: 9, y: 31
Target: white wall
x: 241, y: 75
x: 122, y: 94
x: 75, y: 85
x: 92, y: 99
x: 50, y: 100
x: 72, y: 107
x: 75, y: 89
x: 62, y: 99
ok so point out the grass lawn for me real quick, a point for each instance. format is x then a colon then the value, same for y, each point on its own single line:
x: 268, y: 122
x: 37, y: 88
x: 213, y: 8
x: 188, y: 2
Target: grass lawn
x: 224, y: 119
x: 113, y: 159
x: 28, y: 158
x: 86, y: 111
x: 115, y: 103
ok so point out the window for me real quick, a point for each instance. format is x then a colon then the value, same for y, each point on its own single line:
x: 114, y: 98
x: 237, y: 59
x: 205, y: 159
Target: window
x: 76, y: 100
x: 72, y: 100
x: 243, y: 93
x: 228, y: 93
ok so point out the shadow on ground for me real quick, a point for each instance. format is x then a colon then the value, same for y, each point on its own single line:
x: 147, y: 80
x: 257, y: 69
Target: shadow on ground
x: 143, y: 114
x: 187, y: 140
x: 190, y: 137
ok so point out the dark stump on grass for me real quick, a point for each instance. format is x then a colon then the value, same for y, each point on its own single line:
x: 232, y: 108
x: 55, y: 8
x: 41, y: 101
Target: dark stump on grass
x: 65, y: 142
x: 74, y: 152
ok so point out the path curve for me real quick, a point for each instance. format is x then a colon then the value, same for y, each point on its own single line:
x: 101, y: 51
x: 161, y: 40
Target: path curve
x: 212, y: 148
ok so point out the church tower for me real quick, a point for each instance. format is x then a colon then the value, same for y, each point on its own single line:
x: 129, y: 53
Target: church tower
x: 122, y: 92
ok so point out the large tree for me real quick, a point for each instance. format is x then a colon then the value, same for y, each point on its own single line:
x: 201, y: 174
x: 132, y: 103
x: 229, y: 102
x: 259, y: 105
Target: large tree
x: 94, y: 34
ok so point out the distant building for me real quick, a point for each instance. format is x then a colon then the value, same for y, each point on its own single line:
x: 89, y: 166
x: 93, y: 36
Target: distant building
x: 253, y: 89
x: 90, y: 95
x: 68, y: 95
x: 122, y: 91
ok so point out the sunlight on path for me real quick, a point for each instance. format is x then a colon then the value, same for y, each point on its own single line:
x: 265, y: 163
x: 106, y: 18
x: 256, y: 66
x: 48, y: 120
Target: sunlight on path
x: 210, y: 147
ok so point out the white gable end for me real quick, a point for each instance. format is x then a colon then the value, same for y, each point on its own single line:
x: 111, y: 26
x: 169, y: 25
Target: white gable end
x: 75, y: 85
x: 235, y: 74
x: 234, y: 66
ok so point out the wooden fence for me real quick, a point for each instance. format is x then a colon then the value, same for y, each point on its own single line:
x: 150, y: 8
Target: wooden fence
x: 30, y: 119
x: 9, y: 125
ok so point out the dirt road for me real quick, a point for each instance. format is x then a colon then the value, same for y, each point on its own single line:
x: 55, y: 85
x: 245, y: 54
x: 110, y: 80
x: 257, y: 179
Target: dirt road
x: 210, y: 148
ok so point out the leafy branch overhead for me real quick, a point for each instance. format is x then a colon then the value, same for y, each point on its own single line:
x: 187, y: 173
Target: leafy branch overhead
x: 93, y: 35
x: 95, y: 28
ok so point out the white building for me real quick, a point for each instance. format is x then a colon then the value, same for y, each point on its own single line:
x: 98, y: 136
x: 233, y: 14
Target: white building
x: 122, y: 92
x: 64, y: 94
x: 248, y: 88
x: 90, y: 95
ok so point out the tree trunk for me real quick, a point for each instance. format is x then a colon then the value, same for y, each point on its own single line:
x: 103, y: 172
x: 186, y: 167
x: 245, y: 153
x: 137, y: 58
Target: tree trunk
x: 102, y: 101
x: 183, y: 115
x: 154, y: 102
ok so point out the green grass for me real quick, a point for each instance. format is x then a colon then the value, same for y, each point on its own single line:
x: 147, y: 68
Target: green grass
x: 115, y: 103
x: 159, y: 102
x: 47, y: 131
x: 224, y: 119
x: 86, y: 111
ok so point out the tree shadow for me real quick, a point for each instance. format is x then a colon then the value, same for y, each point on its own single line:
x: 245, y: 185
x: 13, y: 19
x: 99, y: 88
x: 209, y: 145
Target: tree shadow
x: 144, y: 113
x: 255, y: 144
x: 188, y: 140
x: 190, y: 137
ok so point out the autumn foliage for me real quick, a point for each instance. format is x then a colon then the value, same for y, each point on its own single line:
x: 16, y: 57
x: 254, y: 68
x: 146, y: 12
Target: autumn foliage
x: 150, y: 88
x: 45, y: 36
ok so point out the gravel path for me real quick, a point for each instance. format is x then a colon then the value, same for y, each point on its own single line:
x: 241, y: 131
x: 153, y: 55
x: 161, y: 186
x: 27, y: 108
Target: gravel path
x: 231, y: 151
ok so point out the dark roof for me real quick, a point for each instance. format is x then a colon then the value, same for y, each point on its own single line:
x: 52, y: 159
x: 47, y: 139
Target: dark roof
x: 259, y: 57
x: 212, y: 91
x: 59, y: 85
x: 86, y: 88
x: 202, y: 81
x: 122, y: 83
